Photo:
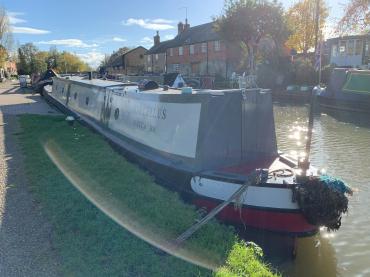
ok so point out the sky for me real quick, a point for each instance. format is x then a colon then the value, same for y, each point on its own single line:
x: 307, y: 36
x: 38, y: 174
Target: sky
x: 91, y: 29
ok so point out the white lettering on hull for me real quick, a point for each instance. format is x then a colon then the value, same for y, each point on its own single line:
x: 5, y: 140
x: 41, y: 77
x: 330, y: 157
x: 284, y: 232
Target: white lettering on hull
x: 168, y: 127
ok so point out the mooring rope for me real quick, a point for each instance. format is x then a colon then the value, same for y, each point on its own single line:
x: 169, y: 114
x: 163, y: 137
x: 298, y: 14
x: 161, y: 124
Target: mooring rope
x: 253, y: 179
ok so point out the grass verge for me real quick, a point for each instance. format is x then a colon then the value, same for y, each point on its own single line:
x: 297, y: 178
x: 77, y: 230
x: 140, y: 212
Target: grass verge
x: 60, y: 161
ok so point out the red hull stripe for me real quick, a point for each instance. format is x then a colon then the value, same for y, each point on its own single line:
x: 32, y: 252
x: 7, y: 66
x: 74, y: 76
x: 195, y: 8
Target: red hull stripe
x: 281, y: 222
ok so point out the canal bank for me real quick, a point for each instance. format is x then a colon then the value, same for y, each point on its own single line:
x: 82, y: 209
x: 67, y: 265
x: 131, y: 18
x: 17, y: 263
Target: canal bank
x: 25, y: 245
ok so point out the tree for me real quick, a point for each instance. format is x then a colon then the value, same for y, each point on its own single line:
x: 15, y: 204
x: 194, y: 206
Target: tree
x: 3, y: 55
x: 26, y: 53
x: 301, y: 20
x: 356, y: 17
x: 248, y: 22
x: 4, y: 23
x: 39, y: 62
x: 68, y: 62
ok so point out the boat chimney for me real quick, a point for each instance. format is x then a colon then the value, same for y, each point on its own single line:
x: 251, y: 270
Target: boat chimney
x: 180, y: 28
x: 157, y: 39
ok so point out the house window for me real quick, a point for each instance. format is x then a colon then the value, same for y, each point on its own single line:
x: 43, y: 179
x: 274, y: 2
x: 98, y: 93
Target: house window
x: 334, y: 50
x: 204, y: 47
x: 358, y: 48
x: 148, y: 59
x: 342, y: 47
x: 181, y: 51
x: 176, y: 67
x: 367, y: 49
x: 351, y: 47
x: 216, y: 45
x: 156, y: 57
x: 191, y: 49
x: 171, y: 52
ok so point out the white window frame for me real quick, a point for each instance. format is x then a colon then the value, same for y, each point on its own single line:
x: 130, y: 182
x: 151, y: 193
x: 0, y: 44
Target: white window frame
x: 181, y: 51
x: 148, y: 59
x: 342, y: 47
x: 204, y: 47
x: 334, y: 50
x: 191, y: 49
x: 216, y: 45
x: 351, y: 47
x: 156, y: 57
x: 359, y: 46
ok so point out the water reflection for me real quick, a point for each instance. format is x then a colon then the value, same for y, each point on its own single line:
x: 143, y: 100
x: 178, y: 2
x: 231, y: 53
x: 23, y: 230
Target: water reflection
x: 341, y: 145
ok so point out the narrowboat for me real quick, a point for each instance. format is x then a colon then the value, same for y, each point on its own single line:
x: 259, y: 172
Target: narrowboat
x: 203, y: 143
x: 348, y: 89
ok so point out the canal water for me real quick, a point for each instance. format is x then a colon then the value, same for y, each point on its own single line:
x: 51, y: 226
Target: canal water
x: 340, y: 145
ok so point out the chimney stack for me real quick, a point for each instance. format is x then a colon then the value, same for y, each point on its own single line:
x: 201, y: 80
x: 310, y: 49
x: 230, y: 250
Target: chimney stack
x: 157, y: 39
x: 180, y: 28
x: 187, y: 25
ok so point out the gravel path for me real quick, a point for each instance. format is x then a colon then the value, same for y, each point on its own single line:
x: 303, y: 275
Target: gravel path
x: 25, y: 244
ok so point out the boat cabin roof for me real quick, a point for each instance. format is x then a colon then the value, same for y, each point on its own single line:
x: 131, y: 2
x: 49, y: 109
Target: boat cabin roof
x: 95, y: 82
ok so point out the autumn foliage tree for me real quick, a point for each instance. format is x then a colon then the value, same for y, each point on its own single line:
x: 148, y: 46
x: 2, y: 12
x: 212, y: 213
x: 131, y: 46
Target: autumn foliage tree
x: 250, y: 22
x: 356, y: 17
x: 31, y: 60
x: 301, y: 21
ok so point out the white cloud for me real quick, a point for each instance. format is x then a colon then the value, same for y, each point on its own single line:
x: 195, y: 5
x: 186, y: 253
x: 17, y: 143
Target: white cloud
x: 93, y: 58
x: 151, y: 24
x: 118, y: 39
x: 14, y: 19
x: 162, y: 21
x: 28, y: 30
x: 71, y: 42
x: 147, y: 42
x: 167, y: 37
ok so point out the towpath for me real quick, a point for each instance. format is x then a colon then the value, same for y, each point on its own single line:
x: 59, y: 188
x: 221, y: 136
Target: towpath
x: 25, y: 244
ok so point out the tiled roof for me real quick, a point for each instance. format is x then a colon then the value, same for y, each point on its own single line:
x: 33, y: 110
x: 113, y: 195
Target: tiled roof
x: 118, y: 61
x: 196, y: 34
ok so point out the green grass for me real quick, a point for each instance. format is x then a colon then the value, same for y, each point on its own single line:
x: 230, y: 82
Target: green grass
x: 88, y: 241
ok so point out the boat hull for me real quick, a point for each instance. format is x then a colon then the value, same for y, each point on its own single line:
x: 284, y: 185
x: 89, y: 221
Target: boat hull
x: 176, y: 170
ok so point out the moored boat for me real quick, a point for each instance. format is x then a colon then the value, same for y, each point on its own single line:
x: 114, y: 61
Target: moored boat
x: 203, y: 143
x: 348, y: 89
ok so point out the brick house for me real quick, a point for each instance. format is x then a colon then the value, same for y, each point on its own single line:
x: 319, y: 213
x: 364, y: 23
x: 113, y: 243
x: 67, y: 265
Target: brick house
x: 155, y: 57
x: 130, y: 62
x: 195, y: 51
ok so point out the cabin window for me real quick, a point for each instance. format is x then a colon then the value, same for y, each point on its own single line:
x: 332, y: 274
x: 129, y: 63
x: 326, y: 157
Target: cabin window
x: 181, y: 51
x: 351, y: 47
x: 342, y: 47
x: 141, y: 56
x: 75, y: 96
x: 204, y: 47
x: 87, y: 101
x: 116, y: 114
x: 171, y: 52
x: 216, y: 45
x: 191, y: 49
x: 62, y: 90
x: 359, y: 46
